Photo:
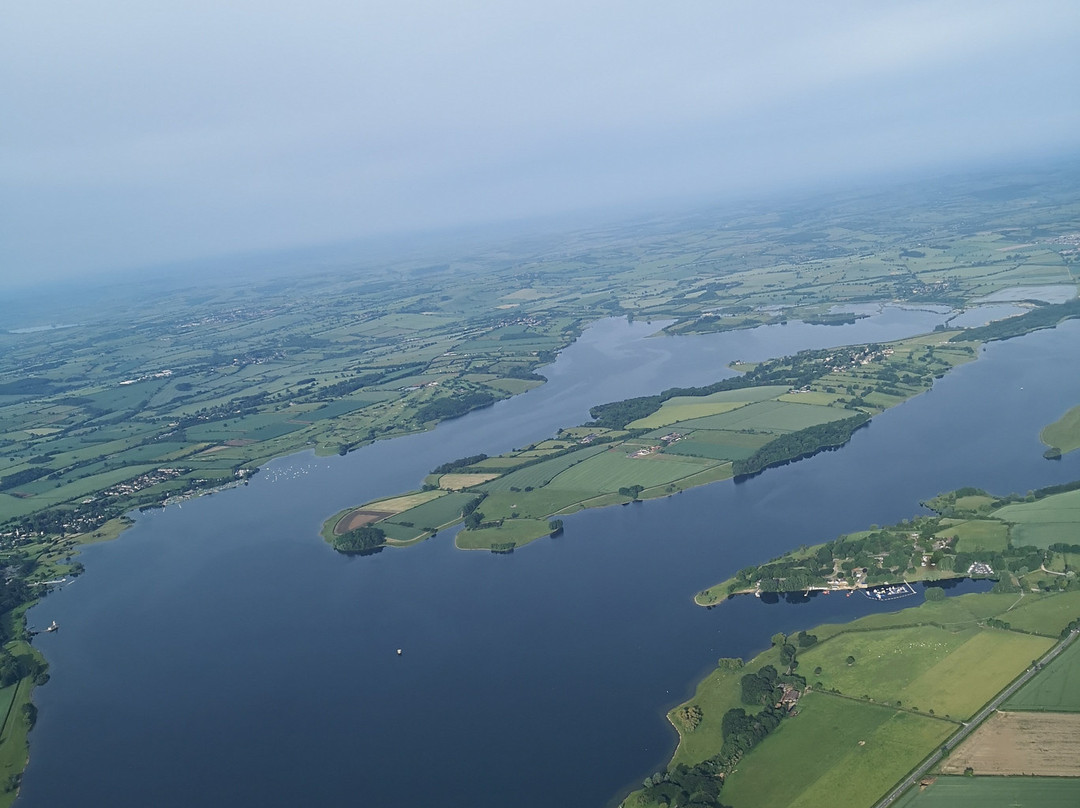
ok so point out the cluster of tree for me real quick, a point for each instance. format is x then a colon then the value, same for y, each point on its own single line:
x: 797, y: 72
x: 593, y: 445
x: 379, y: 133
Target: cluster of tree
x: 343, y: 388
x: 1061, y: 547
x: 519, y: 372
x: 555, y: 527
x: 234, y: 408
x: 1020, y: 560
x: 14, y: 591
x: 781, y: 576
x: 471, y: 506
x: 690, y: 716
x: 618, y: 414
x: 760, y: 688
x: 30, y: 386
x: 631, y: 491
x: 882, y: 553
x: 839, y: 318
x: 441, y: 409
x: 1042, y: 317
x: 743, y: 732
x: 706, y: 325
x: 460, y: 463
x: 360, y: 540
x: 796, y: 445
x: 700, y: 785
x: 1074, y: 625
x: 1050, y: 490
x: 796, y: 371
x: 13, y: 668
x: 685, y: 786
x: 469, y: 513
x: 23, y: 477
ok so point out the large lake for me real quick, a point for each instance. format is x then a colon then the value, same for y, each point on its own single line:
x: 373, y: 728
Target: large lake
x: 220, y: 654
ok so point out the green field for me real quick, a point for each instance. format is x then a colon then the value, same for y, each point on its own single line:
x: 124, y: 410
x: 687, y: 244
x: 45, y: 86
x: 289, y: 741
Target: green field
x: 684, y: 408
x: 924, y: 667
x: 1064, y: 433
x: 834, y: 752
x: 436, y: 513
x: 719, y: 444
x: 515, y: 531
x: 607, y: 472
x: 995, y: 792
x: 769, y: 416
x: 978, y: 534
x: 1055, y: 689
x: 936, y: 656
x: 1045, y: 521
x: 539, y: 474
x: 1046, y: 615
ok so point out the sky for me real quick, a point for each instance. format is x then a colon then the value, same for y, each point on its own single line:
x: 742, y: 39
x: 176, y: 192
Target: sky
x: 139, y: 132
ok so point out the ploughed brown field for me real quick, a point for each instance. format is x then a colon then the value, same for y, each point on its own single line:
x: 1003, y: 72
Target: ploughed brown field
x: 358, y: 518
x: 1045, y: 744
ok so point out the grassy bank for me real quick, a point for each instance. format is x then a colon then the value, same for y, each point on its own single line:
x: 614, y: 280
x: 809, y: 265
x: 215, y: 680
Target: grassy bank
x: 880, y: 694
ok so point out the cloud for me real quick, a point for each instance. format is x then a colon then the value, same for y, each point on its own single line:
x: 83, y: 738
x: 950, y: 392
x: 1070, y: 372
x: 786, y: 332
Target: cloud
x: 139, y: 132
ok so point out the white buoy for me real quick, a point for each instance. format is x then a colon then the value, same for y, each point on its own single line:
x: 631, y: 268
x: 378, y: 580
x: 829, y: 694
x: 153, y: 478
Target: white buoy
x: 399, y: 652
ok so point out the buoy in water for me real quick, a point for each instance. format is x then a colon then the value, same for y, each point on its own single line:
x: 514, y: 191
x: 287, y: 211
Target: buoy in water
x: 399, y: 652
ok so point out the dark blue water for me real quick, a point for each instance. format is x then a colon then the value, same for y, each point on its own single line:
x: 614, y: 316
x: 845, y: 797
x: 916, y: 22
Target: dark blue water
x: 221, y: 654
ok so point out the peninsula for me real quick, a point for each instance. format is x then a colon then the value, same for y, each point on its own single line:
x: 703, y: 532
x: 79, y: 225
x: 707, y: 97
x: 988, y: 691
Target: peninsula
x: 773, y: 412
x: 1025, y: 542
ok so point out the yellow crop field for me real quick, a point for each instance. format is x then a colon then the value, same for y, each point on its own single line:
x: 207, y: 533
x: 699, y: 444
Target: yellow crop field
x: 456, y: 482
x: 399, y: 504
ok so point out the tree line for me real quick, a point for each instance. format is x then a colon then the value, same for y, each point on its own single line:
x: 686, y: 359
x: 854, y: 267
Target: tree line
x: 796, y: 445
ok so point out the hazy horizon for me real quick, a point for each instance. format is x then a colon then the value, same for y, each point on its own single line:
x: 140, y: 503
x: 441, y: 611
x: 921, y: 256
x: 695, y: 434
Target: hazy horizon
x: 139, y: 136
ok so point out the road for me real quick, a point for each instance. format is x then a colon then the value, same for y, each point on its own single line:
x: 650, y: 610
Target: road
x: 973, y: 724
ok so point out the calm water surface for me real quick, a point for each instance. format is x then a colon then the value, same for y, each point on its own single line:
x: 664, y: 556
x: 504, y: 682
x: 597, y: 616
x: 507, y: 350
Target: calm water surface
x: 220, y: 654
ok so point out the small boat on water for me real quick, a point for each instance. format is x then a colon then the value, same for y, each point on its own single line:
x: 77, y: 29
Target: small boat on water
x: 53, y: 627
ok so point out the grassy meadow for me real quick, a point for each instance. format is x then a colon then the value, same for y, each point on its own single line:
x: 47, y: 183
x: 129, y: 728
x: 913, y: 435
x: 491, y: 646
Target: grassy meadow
x: 1044, y: 522
x: 924, y: 668
x: 1064, y: 433
x: 995, y: 792
x: 834, y: 752
x: 1055, y: 689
